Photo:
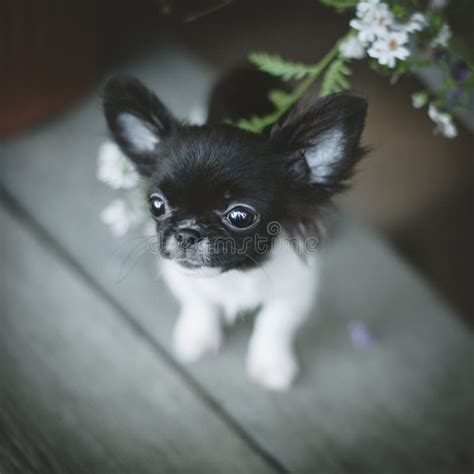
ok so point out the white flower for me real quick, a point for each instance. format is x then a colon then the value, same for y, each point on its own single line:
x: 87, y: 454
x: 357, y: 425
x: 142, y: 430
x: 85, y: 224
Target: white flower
x: 417, y: 22
x: 372, y: 21
x: 390, y: 48
x: 444, y: 122
x: 121, y: 216
x: 443, y: 37
x: 352, y: 48
x: 366, y: 7
x: 419, y: 99
x: 118, y: 217
x: 114, y: 169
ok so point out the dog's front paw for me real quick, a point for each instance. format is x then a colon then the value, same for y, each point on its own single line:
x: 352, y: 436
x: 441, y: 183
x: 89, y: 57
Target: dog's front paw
x: 273, y: 367
x: 194, y: 337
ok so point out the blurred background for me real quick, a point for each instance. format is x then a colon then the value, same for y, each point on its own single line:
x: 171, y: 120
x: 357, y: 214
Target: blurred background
x: 415, y: 188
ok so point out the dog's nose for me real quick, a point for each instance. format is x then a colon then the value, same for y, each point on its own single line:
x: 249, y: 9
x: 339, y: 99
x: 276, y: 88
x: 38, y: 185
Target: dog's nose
x: 187, y: 237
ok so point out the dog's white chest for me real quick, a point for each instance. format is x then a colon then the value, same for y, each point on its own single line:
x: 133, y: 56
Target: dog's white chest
x: 233, y: 291
x: 282, y: 276
x: 237, y: 291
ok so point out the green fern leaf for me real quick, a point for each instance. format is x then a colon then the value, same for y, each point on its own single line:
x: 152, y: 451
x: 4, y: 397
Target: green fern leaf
x: 277, y: 66
x: 254, y: 124
x: 340, y: 5
x: 283, y: 100
x: 334, y: 79
x: 280, y: 99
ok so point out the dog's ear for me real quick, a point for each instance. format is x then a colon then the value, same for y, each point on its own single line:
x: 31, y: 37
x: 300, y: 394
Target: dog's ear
x: 137, y: 120
x: 323, y: 140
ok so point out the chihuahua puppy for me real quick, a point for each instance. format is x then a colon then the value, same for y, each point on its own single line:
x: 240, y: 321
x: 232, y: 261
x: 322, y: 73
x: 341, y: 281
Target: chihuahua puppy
x: 235, y: 210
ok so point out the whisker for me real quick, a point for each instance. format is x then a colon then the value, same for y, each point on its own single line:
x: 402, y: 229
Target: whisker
x: 144, y: 241
x: 130, y: 239
x: 124, y: 262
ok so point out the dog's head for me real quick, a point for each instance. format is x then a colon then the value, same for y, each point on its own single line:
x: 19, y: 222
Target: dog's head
x: 216, y: 191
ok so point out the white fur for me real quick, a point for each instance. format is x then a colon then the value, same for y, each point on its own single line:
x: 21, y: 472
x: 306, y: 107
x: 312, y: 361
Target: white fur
x: 137, y: 133
x: 323, y: 155
x: 283, y: 287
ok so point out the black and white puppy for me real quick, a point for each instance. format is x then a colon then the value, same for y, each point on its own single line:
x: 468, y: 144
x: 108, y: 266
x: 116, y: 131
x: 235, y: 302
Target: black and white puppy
x: 225, y: 200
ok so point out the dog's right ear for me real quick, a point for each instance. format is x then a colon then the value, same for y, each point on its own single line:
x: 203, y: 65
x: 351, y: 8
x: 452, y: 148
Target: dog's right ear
x: 137, y: 120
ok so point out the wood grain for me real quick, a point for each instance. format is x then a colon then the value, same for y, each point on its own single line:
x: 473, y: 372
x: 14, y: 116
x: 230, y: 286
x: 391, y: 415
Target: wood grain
x: 81, y: 393
x: 403, y: 405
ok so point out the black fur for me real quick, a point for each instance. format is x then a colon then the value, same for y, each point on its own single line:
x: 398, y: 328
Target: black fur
x: 127, y: 94
x: 201, y: 170
x: 242, y: 93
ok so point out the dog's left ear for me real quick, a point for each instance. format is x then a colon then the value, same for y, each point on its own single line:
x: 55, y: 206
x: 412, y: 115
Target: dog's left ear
x: 323, y: 141
x: 137, y: 119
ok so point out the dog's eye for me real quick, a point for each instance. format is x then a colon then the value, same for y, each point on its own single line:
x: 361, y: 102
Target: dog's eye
x: 157, y: 206
x: 241, y: 217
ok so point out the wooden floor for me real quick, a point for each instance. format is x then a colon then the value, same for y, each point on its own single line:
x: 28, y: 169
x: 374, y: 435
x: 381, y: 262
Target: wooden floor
x: 88, y: 382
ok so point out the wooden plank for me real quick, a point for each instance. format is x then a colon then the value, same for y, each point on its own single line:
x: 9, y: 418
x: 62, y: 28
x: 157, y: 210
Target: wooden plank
x: 81, y: 393
x: 403, y: 405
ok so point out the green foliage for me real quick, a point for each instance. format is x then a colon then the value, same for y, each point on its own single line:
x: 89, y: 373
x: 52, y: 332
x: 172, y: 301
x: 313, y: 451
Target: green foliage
x: 335, y: 77
x: 400, y: 11
x: 435, y: 20
x: 453, y: 93
x: 281, y: 99
x: 379, y: 68
x: 276, y: 66
x: 258, y: 124
x: 340, y: 5
x: 402, y: 67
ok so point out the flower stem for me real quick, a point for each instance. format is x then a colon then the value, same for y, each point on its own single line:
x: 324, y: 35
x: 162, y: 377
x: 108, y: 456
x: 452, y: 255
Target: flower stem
x: 258, y: 124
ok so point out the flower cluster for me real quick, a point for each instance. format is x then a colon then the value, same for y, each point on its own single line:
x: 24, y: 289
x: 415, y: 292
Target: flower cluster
x: 444, y: 122
x: 379, y: 35
x: 115, y: 170
x: 405, y: 42
x: 396, y: 40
